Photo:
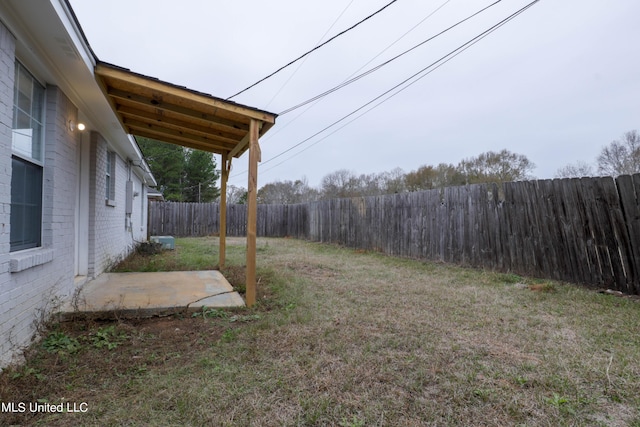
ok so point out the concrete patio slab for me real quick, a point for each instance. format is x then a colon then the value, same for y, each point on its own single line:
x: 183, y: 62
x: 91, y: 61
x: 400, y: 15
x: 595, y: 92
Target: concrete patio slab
x: 152, y: 294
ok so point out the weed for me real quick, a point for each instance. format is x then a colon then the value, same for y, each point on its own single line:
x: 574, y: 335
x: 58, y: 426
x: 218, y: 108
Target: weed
x: 148, y: 248
x: 107, y: 337
x: 228, y: 336
x: 210, y: 363
x: 44, y: 314
x: 138, y: 371
x: 482, y: 394
x: 522, y: 381
x: 510, y: 278
x: 208, y: 312
x: 557, y: 400
x: 61, y: 343
x: 26, y: 372
x: 353, y: 422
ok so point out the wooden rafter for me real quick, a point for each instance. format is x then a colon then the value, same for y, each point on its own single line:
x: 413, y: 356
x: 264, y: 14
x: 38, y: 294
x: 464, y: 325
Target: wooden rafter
x: 152, y: 108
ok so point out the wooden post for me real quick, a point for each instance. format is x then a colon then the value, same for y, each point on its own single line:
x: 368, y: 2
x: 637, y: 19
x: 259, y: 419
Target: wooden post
x: 252, y: 211
x: 226, y: 166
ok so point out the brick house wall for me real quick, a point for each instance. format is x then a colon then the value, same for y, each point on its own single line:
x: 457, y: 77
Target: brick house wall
x: 34, y: 282
x: 110, y: 228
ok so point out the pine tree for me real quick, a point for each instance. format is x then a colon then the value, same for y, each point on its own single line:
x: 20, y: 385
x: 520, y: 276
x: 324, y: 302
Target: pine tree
x: 201, y: 176
x: 167, y: 164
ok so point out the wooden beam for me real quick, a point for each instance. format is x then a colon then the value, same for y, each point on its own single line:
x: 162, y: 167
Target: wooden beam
x: 166, y: 119
x: 137, y: 82
x: 252, y: 211
x: 136, y: 127
x: 226, y: 167
x: 177, y: 131
x: 240, y: 146
x: 118, y: 95
x: 185, y: 143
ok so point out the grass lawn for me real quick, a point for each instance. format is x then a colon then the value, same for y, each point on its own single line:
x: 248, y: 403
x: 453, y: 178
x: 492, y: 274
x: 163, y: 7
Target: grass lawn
x: 346, y: 338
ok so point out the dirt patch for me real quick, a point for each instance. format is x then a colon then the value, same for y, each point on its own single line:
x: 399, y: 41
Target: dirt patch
x: 131, y: 349
x: 313, y: 270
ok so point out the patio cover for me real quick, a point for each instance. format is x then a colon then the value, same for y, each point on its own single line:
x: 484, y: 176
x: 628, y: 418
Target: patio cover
x: 148, y: 107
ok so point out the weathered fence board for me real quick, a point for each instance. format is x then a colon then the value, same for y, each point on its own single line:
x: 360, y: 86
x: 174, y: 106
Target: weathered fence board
x: 581, y: 230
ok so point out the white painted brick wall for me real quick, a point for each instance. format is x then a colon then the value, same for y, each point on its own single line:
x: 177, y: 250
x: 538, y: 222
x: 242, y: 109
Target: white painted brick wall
x: 108, y: 235
x: 34, y: 281
x: 7, y: 53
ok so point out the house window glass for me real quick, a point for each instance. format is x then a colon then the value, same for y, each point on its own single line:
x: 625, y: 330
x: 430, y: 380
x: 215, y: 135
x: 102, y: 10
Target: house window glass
x: 110, y: 187
x: 27, y: 141
x: 26, y: 162
x: 26, y: 205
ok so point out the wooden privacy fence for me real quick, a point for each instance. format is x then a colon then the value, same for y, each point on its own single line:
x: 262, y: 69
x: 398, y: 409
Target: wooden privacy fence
x: 579, y: 230
x: 203, y: 219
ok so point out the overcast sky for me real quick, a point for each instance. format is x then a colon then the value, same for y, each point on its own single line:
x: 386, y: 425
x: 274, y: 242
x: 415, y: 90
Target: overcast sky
x: 556, y: 84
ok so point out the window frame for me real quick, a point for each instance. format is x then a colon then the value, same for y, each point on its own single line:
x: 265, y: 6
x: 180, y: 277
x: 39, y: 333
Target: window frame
x: 110, y: 178
x: 21, y: 204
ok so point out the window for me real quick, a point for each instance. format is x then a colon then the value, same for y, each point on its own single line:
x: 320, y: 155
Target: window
x: 27, y: 161
x: 110, y: 182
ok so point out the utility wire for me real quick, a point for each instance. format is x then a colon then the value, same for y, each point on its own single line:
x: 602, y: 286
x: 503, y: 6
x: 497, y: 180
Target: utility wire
x: 417, y: 76
x: 314, y: 49
x: 287, y: 124
x: 373, y: 107
x: 401, y: 37
x: 302, y: 63
x: 377, y: 67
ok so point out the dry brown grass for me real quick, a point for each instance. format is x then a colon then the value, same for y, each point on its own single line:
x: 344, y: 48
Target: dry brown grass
x: 346, y: 338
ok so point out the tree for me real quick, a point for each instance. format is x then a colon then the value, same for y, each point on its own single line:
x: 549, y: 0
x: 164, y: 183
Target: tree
x: 503, y: 166
x: 622, y: 156
x: 182, y: 174
x: 236, y: 195
x: 428, y: 177
x: 341, y: 183
x: 393, y: 181
x: 448, y: 175
x: 286, y: 192
x: 575, y: 170
x: 166, y: 162
x: 200, y: 177
x: 368, y: 184
x: 420, y: 179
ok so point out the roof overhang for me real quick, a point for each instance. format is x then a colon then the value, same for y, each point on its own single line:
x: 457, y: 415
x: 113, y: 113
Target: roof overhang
x: 151, y: 108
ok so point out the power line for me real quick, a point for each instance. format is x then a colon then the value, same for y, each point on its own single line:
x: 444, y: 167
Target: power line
x: 377, y: 67
x: 287, y: 124
x: 314, y: 49
x: 401, y: 37
x: 302, y: 63
x: 370, y: 109
x: 417, y: 76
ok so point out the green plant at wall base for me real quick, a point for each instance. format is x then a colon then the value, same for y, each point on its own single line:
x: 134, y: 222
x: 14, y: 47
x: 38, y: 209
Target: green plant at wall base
x: 28, y: 371
x: 107, y: 337
x: 61, y: 343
